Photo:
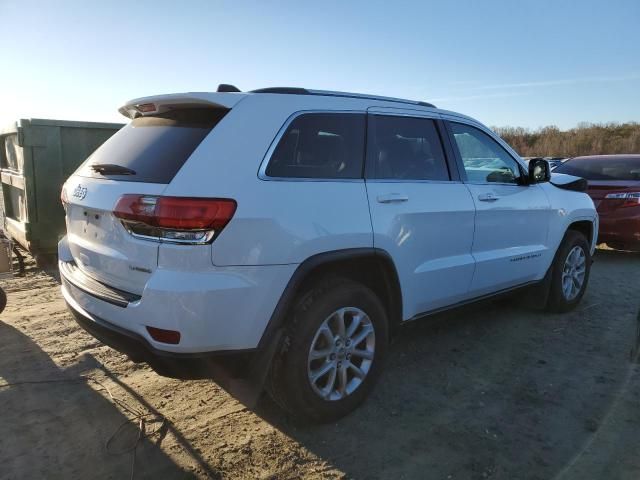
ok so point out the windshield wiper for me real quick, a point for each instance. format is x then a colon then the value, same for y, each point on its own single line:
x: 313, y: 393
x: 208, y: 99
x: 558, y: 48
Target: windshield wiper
x: 111, y: 169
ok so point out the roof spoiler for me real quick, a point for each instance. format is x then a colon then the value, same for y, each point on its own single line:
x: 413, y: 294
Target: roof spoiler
x: 139, y: 107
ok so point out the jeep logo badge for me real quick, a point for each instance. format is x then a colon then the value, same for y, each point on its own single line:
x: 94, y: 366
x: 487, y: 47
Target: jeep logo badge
x: 79, y: 192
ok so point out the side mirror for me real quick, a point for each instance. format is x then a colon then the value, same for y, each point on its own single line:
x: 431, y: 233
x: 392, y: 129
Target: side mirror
x: 539, y: 170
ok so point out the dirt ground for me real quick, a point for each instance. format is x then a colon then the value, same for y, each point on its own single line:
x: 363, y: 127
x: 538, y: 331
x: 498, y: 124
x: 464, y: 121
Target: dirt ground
x: 494, y: 391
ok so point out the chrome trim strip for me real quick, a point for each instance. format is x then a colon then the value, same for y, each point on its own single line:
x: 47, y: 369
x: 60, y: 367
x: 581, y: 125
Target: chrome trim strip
x: 401, y: 180
x: 206, y: 240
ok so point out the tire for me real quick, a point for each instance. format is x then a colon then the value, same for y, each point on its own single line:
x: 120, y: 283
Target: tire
x: 3, y: 300
x: 290, y: 383
x: 561, y: 299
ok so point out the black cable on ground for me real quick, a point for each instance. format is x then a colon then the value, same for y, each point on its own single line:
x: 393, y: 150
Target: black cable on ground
x: 141, y: 417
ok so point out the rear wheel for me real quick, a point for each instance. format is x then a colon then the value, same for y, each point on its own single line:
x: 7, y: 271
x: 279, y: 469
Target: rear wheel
x: 333, y: 351
x: 571, y: 269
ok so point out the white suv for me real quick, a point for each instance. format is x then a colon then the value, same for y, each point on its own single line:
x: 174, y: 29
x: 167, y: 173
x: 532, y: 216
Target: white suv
x: 283, y: 234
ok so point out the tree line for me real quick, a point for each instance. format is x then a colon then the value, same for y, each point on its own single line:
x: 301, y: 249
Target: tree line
x: 585, y: 139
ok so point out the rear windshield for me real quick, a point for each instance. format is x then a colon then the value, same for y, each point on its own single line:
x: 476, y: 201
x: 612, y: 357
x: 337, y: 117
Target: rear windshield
x: 603, y: 168
x: 152, y: 149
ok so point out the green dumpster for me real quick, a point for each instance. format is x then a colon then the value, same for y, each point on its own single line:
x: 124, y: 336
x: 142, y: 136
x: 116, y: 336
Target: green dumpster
x: 36, y: 157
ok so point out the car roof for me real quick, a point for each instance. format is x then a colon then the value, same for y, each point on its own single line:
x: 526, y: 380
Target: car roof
x: 333, y: 93
x: 227, y: 98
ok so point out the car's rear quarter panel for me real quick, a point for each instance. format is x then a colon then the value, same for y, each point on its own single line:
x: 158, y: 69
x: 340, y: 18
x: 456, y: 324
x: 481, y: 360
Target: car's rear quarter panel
x: 277, y: 221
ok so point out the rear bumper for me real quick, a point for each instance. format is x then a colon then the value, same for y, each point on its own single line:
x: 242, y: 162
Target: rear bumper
x: 222, y: 314
x: 125, y: 341
x: 217, y: 309
x: 241, y: 373
x: 177, y: 365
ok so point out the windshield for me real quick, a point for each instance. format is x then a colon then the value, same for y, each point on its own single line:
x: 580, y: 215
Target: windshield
x: 602, y: 168
x: 152, y: 149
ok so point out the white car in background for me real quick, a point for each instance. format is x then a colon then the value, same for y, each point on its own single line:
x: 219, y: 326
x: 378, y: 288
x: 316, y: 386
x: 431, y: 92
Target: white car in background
x: 284, y: 234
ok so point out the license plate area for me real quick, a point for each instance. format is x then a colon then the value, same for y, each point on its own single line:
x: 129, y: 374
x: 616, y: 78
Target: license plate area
x: 91, y: 224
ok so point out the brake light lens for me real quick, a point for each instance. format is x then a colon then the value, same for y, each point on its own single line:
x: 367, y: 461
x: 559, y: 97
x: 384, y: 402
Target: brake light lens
x: 146, y: 108
x: 63, y: 197
x: 630, y: 199
x: 193, y: 213
x: 175, y: 219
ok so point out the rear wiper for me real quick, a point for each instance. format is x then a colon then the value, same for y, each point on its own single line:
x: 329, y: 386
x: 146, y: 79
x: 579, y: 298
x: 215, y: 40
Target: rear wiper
x: 111, y: 169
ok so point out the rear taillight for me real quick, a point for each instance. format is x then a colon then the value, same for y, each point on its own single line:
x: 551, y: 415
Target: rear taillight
x: 63, y: 197
x: 175, y: 219
x: 629, y: 199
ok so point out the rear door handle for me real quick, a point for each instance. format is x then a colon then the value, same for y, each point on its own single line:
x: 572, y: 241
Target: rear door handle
x: 392, y: 198
x: 487, y: 197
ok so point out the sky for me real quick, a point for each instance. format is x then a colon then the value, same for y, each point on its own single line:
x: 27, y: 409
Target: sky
x: 506, y: 63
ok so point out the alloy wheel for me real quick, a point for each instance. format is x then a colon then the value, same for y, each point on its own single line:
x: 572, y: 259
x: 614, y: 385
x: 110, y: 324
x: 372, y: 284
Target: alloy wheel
x: 573, y: 273
x: 341, y: 353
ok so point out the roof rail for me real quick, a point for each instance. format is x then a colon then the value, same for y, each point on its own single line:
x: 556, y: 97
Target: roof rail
x: 283, y: 90
x: 330, y: 93
x: 370, y: 97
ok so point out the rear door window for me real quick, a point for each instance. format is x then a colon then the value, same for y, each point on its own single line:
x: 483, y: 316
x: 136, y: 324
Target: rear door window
x: 405, y: 148
x: 320, y: 145
x: 602, y: 168
x: 152, y: 149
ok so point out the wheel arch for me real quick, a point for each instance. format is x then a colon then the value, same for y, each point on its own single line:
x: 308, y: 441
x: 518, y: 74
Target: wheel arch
x: 582, y: 225
x: 372, y: 267
x: 585, y: 227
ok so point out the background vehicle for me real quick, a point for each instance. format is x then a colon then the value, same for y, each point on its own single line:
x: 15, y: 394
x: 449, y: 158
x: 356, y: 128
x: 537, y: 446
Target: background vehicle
x: 260, y: 225
x: 555, y: 161
x: 614, y: 186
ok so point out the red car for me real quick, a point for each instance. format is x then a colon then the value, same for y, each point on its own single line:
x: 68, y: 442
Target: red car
x: 614, y: 186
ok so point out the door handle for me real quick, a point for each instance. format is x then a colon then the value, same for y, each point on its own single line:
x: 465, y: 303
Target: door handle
x: 392, y: 198
x: 487, y: 197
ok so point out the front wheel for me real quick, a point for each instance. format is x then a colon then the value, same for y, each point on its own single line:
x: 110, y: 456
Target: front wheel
x: 571, y: 269
x: 333, y: 351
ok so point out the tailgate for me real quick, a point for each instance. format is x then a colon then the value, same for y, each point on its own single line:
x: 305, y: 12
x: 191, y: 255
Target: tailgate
x: 101, y: 246
x: 140, y: 160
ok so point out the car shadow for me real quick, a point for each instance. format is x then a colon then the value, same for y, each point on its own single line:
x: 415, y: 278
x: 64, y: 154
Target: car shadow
x: 489, y: 391
x: 55, y: 425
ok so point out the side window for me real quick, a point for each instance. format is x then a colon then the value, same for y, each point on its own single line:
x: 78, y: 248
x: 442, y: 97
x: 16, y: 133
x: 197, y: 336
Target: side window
x: 320, y: 145
x: 484, y: 160
x: 405, y: 148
